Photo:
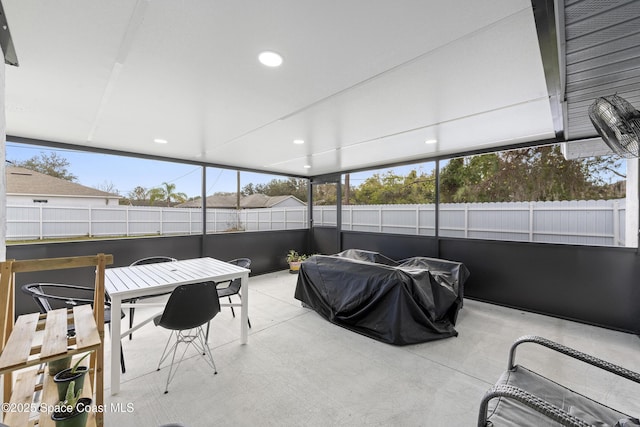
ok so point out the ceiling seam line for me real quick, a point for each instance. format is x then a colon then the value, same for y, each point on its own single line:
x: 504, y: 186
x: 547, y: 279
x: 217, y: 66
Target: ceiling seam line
x: 136, y: 18
x: 375, y: 77
x: 355, y: 144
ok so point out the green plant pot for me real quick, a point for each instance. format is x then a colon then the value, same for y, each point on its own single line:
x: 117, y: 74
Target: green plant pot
x: 76, y: 418
x: 64, y: 377
x: 56, y: 366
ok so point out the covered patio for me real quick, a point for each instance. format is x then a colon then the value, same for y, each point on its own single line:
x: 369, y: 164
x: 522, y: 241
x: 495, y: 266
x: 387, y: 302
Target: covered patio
x: 300, y: 369
x: 360, y: 87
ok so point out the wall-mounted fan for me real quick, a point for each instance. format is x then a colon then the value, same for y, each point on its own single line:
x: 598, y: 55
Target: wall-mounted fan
x: 618, y: 123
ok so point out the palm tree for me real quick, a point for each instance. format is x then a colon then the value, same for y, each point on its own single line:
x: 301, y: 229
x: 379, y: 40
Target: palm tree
x: 166, y: 193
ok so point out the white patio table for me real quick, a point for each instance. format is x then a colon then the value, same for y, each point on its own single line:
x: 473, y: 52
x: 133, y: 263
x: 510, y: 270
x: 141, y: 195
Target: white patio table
x: 125, y: 283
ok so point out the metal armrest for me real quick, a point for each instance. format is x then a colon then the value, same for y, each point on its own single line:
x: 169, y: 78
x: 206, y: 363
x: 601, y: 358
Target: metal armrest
x: 223, y: 284
x: 594, y: 361
x: 533, y: 402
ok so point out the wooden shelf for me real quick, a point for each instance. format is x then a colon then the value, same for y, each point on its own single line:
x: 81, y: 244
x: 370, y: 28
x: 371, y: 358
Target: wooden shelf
x: 26, y: 382
x: 23, y: 349
x: 35, y: 339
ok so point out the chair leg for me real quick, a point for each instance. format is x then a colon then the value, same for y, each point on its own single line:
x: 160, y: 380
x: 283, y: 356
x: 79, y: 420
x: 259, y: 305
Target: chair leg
x: 132, y: 311
x: 195, y: 340
x: 248, y: 320
x: 232, y: 312
x: 206, y: 351
x: 122, y: 367
x: 174, y: 347
x: 164, y: 352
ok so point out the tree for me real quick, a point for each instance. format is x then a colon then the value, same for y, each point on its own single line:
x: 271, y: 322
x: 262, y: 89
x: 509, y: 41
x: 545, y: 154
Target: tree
x: 537, y: 173
x: 390, y: 188
x: 49, y: 164
x: 138, y: 193
x: 296, y: 187
x: 325, y: 194
x: 108, y: 187
x: 167, y: 194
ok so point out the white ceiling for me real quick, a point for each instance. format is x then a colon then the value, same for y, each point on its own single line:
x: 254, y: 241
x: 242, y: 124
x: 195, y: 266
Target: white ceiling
x: 364, y: 82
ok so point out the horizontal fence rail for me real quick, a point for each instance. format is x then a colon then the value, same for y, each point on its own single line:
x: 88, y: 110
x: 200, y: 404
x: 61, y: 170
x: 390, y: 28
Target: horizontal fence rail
x: 587, y: 222
x: 591, y: 222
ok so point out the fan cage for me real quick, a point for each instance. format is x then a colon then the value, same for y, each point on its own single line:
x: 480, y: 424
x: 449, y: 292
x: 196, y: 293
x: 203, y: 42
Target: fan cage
x: 618, y: 123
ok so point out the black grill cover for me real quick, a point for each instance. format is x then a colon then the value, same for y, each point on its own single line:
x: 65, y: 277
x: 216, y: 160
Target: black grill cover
x: 397, y: 302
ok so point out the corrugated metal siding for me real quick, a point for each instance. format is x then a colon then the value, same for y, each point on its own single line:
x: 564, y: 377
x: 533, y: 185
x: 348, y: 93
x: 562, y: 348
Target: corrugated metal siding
x: 602, y: 57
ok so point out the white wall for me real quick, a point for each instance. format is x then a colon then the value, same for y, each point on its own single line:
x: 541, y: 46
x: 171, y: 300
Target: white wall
x: 61, y: 200
x: 289, y: 203
x: 3, y: 178
x: 631, y: 236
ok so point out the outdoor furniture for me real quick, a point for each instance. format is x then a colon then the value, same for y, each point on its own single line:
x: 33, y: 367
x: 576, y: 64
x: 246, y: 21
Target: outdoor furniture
x: 525, y: 398
x: 397, y: 302
x: 51, y: 296
x: 143, y: 261
x: 125, y: 283
x: 188, y: 309
x: 233, y: 286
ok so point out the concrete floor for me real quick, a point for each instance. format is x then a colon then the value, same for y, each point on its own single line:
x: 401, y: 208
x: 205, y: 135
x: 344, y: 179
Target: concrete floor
x: 298, y: 369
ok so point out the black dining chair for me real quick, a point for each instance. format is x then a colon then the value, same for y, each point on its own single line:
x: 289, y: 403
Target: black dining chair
x: 144, y: 261
x: 188, y: 309
x: 51, y: 296
x: 228, y: 288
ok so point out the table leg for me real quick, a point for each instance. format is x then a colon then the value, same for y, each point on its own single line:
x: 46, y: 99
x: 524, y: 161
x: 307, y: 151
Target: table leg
x: 115, y: 345
x: 244, y: 314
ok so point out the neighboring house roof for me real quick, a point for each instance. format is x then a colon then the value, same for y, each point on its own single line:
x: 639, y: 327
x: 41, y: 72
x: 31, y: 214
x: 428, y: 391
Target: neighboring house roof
x: 229, y: 201
x: 22, y: 181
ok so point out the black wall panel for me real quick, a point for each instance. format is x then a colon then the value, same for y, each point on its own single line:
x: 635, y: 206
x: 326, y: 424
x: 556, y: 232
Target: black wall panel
x: 394, y: 246
x: 267, y: 251
x: 595, y: 285
x: 324, y: 240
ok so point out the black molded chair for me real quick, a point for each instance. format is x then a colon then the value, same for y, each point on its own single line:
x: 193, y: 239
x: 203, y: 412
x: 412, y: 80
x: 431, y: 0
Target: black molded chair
x: 143, y: 261
x: 522, y: 397
x: 189, y: 308
x: 51, y: 296
x: 232, y: 287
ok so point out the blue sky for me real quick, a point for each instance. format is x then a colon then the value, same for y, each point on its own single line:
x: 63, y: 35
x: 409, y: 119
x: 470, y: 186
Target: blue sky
x: 125, y: 173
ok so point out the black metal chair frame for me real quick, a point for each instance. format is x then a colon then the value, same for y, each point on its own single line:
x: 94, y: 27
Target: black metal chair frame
x: 538, y: 403
x: 232, y: 287
x: 188, y: 309
x: 42, y: 299
x: 143, y: 261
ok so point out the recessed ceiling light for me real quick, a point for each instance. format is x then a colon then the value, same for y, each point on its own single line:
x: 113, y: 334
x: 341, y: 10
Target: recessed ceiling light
x: 298, y: 141
x: 270, y: 59
x: 160, y: 141
x: 307, y: 166
x: 431, y: 141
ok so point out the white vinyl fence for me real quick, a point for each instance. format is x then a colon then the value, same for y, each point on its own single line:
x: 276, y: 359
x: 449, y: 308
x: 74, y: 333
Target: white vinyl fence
x: 577, y: 222
x: 587, y: 222
x: 45, y: 222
